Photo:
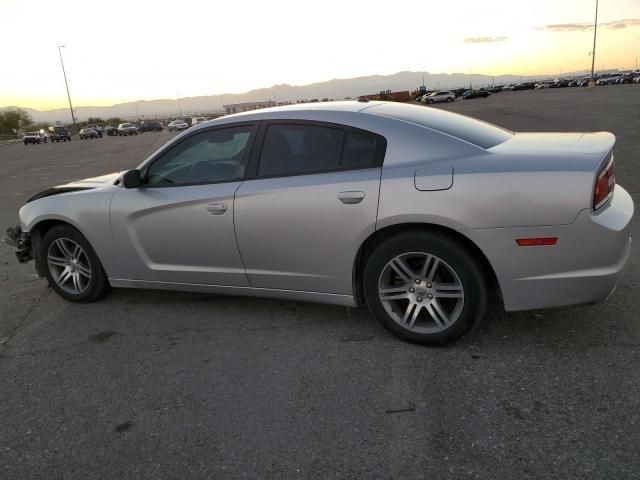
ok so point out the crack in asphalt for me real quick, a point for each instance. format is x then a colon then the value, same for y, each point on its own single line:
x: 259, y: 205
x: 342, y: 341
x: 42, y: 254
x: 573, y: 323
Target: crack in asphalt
x: 4, y: 342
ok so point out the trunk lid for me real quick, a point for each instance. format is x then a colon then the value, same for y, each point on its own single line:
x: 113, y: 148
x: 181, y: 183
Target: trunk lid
x: 543, y: 143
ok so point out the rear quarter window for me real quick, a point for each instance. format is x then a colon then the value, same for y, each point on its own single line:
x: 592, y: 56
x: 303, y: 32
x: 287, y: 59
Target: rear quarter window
x: 482, y: 134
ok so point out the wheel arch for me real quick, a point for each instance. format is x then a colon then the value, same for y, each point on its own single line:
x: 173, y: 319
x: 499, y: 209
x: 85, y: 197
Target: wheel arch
x: 38, y: 231
x: 379, y: 236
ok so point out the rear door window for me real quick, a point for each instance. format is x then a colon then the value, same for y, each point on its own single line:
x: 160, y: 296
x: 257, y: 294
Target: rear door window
x: 295, y: 149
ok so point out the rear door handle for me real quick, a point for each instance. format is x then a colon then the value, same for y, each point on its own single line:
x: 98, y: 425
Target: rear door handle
x: 217, y: 208
x: 351, y: 197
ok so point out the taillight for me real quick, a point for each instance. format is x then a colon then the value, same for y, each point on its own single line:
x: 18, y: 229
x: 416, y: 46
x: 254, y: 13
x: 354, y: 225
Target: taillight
x: 605, y: 183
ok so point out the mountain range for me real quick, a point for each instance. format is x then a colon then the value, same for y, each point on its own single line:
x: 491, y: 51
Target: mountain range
x: 334, y: 89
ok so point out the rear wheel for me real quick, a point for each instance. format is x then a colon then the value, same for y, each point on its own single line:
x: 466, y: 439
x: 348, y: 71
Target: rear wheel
x: 73, y: 268
x: 425, y: 288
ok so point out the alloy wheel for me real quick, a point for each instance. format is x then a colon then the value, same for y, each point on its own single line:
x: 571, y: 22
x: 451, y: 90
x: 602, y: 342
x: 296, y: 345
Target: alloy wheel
x: 421, y: 292
x: 69, y: 265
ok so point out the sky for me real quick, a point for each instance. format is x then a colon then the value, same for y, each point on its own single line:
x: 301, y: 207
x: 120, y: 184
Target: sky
x: 117, y: 51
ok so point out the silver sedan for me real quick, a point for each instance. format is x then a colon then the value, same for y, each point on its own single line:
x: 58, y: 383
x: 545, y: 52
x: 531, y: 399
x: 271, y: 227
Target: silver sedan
x: 421, y: 214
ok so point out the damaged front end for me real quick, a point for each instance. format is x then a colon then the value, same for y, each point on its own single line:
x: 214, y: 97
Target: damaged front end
x: 20, y: 240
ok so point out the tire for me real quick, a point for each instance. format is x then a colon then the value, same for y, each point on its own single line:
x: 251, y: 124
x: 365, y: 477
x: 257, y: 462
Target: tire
x: 84, y: 289
x: 449, y: 99
x: 25, y: 143
x: 429, y: 101
x: 433, y: 315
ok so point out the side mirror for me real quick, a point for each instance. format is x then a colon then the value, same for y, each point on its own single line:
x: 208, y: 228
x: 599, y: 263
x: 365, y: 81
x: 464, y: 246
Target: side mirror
x: 132, y: 179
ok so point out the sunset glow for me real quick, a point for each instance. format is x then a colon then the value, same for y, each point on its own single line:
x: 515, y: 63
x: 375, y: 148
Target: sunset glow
x: 123, y: 51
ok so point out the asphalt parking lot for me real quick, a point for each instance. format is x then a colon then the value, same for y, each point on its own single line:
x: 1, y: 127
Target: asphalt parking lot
x: 149, y: 384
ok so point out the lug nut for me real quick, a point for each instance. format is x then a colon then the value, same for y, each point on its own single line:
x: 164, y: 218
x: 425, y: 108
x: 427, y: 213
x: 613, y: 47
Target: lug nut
x: 417, y: 280
x: 428, y: 285
x: 419, y: 299
x: 429, y: 296
x: 411, y: 290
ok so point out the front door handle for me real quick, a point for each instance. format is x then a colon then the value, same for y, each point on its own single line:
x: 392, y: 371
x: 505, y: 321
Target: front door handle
x: 351, y: 197
x: 217, y: 208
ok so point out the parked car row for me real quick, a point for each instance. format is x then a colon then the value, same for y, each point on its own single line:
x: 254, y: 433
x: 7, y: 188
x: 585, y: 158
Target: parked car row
x: 451, y: 95
x: 61, y: 134
x: 620, y: 79
x: 56, y: 134
x: 603, y: 79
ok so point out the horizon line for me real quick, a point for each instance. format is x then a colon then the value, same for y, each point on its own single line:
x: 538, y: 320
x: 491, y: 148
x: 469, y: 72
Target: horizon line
x: 417, y: 72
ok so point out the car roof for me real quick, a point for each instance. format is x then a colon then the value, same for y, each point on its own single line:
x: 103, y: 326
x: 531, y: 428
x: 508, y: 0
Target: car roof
x: 461, y: 127
x: 341, y: 106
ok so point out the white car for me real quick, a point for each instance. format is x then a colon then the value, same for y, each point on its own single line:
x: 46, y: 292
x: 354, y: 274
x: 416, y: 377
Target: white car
x: 197, y: 120
x: 177, y: 125
x: 423, y: 215
x: 439, y: 96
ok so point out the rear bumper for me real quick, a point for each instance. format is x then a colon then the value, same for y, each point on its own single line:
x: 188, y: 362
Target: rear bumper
x: 583, y: 267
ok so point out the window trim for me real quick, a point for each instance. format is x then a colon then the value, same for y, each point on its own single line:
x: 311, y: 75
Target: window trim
x: 254, y: 162
x: 244, y: 161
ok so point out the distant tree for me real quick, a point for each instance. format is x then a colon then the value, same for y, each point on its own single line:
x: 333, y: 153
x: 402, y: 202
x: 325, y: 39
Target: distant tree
x: 94, y: 120
x: 13, y: 119
x: 113, y: 121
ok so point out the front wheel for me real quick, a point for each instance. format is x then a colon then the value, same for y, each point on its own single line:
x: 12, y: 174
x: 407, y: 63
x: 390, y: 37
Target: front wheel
x: 449, y: 99
x: 73, y: 268
x: 425, y: 287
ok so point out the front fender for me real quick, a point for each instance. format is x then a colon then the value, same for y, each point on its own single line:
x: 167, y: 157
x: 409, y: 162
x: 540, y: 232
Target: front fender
x: 87, y: 211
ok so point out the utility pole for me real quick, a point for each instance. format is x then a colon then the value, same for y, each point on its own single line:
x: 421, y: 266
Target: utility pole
x: 592, y: 82
x: 73, y: 118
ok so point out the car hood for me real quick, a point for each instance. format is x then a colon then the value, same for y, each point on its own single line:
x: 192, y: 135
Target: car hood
x: 77, y: 185
x: 93, y: 182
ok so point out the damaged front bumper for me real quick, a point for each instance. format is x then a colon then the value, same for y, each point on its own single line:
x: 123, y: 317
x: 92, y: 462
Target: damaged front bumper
x: 20, y: 240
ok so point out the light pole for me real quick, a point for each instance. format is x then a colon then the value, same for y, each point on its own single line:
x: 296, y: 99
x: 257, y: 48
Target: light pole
x: 73, y: 118
x: 592, y: 83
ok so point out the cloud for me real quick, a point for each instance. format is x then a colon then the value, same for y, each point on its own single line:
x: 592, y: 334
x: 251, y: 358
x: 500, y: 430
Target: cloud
x: 567, y: 27
x: 485, y: 39
x: 581, y: 27
x: 627, y: 22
